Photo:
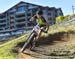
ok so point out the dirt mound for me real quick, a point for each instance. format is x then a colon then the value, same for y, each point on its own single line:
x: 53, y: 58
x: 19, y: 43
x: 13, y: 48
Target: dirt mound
x: 59, y: 46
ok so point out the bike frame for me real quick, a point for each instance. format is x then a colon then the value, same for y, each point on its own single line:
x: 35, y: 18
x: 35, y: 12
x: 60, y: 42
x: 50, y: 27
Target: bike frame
x: 37, y: 29
x: 35, y: 32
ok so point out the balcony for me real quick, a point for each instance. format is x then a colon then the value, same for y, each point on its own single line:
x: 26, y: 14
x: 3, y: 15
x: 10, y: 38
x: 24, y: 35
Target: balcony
x: 11, y: 24
x: 20, y: 22
x: 2, y: 23
x: 12, y: 15
x: 11, y: 27
x: 20, y: 18
x: 28, y: 17
x: 20, y: 13
x: 12, y: 20
x: 12, y: 11
x: 3, y: 19
x: 29, y: 24
x: 28, y: 28
x: 5, y: 31
x: 29, y: 12
x: 20, y: 26
x: 2, y: 28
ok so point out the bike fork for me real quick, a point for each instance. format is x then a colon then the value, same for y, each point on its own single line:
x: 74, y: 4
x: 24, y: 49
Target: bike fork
x: 33, y: 44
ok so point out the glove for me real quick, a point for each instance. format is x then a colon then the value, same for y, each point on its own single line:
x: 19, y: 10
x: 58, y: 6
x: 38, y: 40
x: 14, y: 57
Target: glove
x: 46, y: 31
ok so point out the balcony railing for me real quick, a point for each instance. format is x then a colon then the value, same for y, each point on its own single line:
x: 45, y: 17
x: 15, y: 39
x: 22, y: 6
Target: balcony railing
x: 21, y: 12
x: 2, y: 28
x: 29, y: 12
x: 3, y: 19
x: 12, y: 20
x: 13, y: 29
x: 20, y: 23
x: 9, y: 30
x: 20, y: 18
x: 12, y: 24
x: 26, y: 28
x: 12, y: 15
x: 1, y: 23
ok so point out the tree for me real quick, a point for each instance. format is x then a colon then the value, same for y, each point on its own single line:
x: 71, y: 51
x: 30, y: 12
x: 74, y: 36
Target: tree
x: 59, y: 19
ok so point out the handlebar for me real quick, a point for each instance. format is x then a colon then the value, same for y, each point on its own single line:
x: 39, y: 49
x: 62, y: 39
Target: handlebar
x: 43, y: 30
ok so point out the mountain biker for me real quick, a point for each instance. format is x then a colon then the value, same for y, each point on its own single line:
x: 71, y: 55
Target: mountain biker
x: 41, y: 21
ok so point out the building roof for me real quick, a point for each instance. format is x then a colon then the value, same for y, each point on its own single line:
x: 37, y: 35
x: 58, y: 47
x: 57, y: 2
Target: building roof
x: 50, y: 8
x: 21, y: 3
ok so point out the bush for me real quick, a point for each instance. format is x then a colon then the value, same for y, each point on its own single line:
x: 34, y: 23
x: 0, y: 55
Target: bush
x: 59, y: 19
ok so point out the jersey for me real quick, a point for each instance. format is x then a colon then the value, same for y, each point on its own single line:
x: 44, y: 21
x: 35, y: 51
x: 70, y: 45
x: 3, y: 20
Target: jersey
x: 40, y: 21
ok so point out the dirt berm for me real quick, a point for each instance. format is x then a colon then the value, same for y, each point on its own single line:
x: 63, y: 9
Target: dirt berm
x: 59, y: 45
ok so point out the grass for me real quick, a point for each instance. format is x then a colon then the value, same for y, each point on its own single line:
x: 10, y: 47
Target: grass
x: 62, y: 28
x: 6, y: 48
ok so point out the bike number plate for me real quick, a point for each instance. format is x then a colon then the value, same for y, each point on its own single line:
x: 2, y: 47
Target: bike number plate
x: 37, y: 29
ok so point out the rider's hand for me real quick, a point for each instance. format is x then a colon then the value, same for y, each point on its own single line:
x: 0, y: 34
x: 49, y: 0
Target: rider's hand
x: 41, y: 28
x: 46, y: 31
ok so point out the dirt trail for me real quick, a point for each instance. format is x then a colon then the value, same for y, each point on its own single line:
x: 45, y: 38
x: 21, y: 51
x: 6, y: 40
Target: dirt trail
x: 58, y: 46
x: 24, y: 56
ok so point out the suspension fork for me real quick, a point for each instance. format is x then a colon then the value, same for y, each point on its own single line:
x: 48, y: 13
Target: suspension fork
x: 27, y: 43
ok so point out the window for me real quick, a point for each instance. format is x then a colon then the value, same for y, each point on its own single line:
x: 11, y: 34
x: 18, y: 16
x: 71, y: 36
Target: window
x: 49, y: 13
x: 28, y: 14
x: 21, y: 15
x: 11, y: 13
x: 34, y: 10
x: 22, y: 8
x: 12, y: 27
x: 1, y: 21
x: 28, y: 19
x: 12, y: 10
x: 1, y: 29
x: 20, y: 25
x: 29, y: 24
x: 45, y: 11
x: 22, y: 20
x: 2, y: 25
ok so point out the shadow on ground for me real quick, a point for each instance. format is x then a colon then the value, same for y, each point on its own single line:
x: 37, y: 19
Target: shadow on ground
x: 51, y: 38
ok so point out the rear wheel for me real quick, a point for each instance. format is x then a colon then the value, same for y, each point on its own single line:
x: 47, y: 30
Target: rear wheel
x: 29, y: 42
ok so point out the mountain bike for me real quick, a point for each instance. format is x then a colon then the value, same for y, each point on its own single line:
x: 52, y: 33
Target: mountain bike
x: 31, y: 40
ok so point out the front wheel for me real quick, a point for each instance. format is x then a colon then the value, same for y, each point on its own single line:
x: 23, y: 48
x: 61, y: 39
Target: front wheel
x: 29, y: 42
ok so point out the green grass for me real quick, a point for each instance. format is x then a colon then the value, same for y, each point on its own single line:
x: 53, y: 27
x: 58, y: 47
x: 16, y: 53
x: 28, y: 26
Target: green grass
x: 6, y: 48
